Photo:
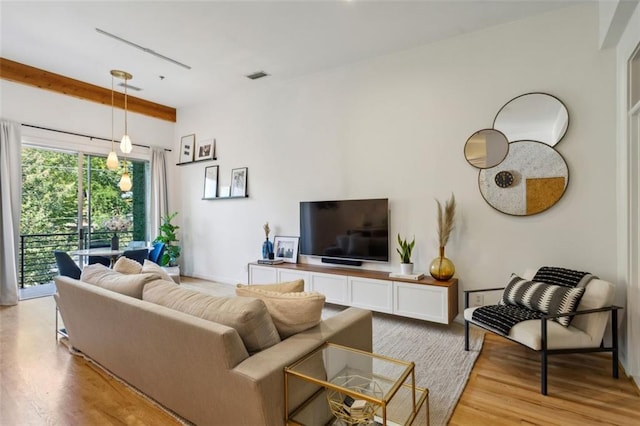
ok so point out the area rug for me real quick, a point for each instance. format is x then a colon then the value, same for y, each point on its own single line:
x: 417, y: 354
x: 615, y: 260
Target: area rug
x: 442, y: 364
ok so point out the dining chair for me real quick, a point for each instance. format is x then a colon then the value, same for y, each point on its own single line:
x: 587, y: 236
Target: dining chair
x: 139, y: 255
x: 155, y: 255
x: 99, y: 259
x: 66, y: 265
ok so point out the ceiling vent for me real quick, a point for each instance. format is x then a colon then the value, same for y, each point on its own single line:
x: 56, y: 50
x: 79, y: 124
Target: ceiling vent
x: 257, y: 75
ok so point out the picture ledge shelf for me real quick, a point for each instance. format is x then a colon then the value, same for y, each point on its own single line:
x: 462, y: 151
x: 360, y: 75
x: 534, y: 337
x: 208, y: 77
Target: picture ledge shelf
x: 226, y: 198
x: 195, y: 161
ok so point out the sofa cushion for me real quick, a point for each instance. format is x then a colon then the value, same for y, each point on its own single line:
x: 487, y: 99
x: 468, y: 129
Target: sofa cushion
x: 558, y: 337
x: 546, y: 298
x: 130, y: 285
x: 291, y: 312
x: 150, y: 266
x: 283, y: 287
x: 124, y: 265
x: 249, y: 316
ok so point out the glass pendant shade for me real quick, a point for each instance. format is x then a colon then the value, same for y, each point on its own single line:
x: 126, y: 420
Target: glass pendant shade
x: 125, y: 144
x: 125, y: 182
x: 112, y: 161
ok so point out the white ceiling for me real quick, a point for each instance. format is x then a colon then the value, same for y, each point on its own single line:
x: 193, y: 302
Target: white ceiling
x: 224, y: 41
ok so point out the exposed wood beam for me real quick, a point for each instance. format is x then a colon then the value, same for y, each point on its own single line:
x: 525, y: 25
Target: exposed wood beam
x: 25, y: 74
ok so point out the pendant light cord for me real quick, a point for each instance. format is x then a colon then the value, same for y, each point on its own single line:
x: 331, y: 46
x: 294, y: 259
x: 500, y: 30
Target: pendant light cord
x: 112, y: 116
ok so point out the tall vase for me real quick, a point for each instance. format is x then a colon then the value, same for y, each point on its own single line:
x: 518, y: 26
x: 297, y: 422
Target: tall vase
x: 115, y: 242
x: 442, y: 268
x: 267, y: 248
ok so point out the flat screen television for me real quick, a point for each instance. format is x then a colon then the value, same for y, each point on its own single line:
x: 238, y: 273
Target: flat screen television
x: 345, y: 231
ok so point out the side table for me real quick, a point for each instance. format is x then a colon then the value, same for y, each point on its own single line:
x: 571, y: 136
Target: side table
x: 381, y: 387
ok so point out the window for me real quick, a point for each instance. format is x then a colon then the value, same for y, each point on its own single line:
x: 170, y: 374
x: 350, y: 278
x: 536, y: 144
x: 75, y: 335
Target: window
x: 66, y: 199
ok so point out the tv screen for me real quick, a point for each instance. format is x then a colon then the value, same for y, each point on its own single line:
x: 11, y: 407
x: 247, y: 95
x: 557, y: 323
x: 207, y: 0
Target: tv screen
x: 345, y: 229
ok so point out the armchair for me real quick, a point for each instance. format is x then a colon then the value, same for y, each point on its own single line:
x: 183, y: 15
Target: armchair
x: 545, y: 335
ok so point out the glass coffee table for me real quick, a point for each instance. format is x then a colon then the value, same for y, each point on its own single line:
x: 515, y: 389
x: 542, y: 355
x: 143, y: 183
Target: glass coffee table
x: 337, y: 385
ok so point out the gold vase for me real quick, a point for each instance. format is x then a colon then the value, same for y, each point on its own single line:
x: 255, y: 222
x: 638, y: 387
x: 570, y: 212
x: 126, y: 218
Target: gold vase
x: 442, y: 268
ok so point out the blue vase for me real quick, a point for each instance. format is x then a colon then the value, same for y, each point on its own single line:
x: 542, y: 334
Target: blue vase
x: 267, y: 248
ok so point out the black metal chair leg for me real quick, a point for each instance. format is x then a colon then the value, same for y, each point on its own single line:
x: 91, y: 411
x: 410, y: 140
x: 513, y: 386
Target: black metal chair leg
x: 543, y: 373
x: 614, y: 342
x: 466, y: 335
x: 543, y: 358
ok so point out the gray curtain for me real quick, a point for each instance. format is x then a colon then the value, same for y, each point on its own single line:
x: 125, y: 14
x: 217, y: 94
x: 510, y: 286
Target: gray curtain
x: 159, y: 204
x: 10, y: 205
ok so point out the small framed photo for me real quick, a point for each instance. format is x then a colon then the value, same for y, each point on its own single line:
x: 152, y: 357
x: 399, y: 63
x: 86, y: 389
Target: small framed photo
x: 210, y: 182
x: 286, y: 248
x: 205, y: 150
x: 239, y: 182
x: 187, y: 146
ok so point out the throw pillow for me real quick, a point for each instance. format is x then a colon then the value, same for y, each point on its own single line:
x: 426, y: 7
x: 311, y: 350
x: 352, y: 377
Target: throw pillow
x: 149, y: 266
x: 546, y: 298
x: 130, y: 285
x: 248, y: 316
x: 124, y: 265
x: 284, y: 287
x: 291, y: 312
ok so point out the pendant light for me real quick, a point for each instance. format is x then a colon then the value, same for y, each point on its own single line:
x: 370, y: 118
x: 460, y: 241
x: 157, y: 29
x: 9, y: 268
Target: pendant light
x: 125, y: 180
x: 112, y: 159
x: 125, y: 145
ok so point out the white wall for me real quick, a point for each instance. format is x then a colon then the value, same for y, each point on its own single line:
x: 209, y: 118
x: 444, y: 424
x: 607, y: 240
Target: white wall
x: 395, y: 127
x: 30, y: 105
x: 627, y: 260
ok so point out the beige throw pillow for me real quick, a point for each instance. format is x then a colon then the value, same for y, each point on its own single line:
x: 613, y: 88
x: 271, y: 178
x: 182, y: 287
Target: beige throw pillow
x: 130, y: 285
x: 124, y: 265
x: 249, y: 316
x: 150, y: 266
x: 291, y: 312
x: 284, y: 287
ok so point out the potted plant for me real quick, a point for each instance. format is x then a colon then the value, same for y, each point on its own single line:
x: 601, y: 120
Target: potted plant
x: 169, y: 238
x: 405, y: 249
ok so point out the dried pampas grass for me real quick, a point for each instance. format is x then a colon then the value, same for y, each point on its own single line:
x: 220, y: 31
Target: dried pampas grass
x: 446, y: 220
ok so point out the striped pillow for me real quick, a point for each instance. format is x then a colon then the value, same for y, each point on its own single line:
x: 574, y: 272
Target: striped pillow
x: 546, y: 298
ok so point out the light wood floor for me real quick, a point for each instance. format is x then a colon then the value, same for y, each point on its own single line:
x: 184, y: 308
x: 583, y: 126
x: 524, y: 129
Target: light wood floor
x: 41, y: 383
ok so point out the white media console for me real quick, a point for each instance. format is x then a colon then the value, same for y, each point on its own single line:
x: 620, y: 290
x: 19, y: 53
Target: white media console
x: 425, y: 299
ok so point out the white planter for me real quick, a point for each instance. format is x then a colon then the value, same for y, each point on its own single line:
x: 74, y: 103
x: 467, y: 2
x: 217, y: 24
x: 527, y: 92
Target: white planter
x: 406, y: 268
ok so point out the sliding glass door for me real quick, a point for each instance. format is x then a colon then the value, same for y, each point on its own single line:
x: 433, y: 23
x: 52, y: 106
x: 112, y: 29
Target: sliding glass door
x: 66, y: 199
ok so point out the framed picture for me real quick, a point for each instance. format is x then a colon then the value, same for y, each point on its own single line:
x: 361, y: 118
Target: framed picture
x: 205, y: 150
x: 187, y: 146
x: 210, y: 182
x: 239, y: 182
x: 286, y: 248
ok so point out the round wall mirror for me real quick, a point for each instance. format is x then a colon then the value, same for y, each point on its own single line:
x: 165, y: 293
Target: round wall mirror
x: 533, y: 117
x: 486, y: 148
x: 531, y: 179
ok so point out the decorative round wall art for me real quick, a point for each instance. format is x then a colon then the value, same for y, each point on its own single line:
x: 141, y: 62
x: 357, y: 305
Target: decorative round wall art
x: 521, y: 173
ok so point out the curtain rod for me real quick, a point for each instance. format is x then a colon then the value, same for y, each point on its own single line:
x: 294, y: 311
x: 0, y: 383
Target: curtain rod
x: 82, y: 135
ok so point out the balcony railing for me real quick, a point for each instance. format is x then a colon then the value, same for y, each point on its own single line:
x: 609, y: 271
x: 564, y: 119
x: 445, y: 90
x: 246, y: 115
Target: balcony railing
x: 37, y: 264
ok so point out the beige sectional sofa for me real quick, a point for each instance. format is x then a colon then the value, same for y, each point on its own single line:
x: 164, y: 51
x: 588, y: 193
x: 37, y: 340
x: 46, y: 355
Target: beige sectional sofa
x: 196, y: 367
